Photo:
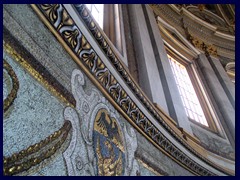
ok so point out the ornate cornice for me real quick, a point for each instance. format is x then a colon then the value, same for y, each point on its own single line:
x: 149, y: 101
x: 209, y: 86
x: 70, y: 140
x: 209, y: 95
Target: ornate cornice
x: 197, y: 27
x: 60, y: 22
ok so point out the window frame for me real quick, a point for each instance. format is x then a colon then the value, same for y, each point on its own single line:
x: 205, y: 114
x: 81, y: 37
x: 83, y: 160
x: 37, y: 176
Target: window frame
x: 116, y: 35
x: 198, y: 85
x: 113, y: 29
x: 112, y: 25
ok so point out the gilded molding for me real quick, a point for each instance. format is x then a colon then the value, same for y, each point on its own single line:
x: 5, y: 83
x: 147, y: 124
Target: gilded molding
x: 15, y: 86
x: 149, y: 168
x: 208, y: 49
x: 63, y: 26
x: 36, y: 153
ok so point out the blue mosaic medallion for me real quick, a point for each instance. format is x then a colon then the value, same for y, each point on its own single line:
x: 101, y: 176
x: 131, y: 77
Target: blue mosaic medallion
x: 108, y: 145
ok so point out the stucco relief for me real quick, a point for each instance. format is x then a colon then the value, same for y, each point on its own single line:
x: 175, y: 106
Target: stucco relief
x: 101, y: 144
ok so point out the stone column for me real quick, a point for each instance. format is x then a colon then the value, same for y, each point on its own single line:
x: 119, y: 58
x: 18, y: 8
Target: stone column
x: 149, y: 79
x: 223, y: 103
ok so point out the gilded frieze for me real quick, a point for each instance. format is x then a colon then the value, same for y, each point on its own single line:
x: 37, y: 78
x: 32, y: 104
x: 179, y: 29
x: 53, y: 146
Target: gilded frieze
x: 209, y: 49
x: 88, y: 57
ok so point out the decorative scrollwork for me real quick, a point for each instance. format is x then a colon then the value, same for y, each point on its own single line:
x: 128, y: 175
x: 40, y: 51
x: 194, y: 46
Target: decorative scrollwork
x: 71, y: 36
x: 15, y: 86
x: 89, y: 58
x: 51, y: 9
x: 99, y: 140
x: 36, y: 153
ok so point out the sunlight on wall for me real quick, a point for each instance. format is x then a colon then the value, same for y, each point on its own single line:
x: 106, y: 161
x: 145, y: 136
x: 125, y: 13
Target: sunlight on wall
x: 97, y: 12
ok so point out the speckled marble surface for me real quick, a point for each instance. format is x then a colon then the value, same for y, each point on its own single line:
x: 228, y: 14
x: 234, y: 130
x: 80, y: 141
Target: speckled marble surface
x: 55, y: 168
x: 158, y: 159
x: 39, y: 41
x: 34, y: 115
x: 213, y: 142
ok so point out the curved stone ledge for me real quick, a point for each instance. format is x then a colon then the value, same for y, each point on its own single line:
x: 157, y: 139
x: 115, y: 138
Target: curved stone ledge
x: 143, y: 116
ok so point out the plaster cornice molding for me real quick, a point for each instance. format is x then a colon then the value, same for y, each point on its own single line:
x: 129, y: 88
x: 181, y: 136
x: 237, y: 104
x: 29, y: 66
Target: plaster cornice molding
x: 225, y: 36
x: 198, y: 20
x: 172, y: 29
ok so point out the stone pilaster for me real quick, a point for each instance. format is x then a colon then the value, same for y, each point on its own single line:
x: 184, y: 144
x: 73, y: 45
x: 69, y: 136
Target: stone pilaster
x: 224, y: 106
x: 148, y: 72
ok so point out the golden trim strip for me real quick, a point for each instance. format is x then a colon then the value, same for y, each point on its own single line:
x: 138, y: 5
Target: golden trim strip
x: 17, y: 57
x: 148, y: 167
x: 15, y: 86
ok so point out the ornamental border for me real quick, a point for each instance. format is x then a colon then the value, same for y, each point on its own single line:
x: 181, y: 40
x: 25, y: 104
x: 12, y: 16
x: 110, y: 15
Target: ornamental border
x: 35, y: 154
x: 70, y: 36
x: 117, y: 63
